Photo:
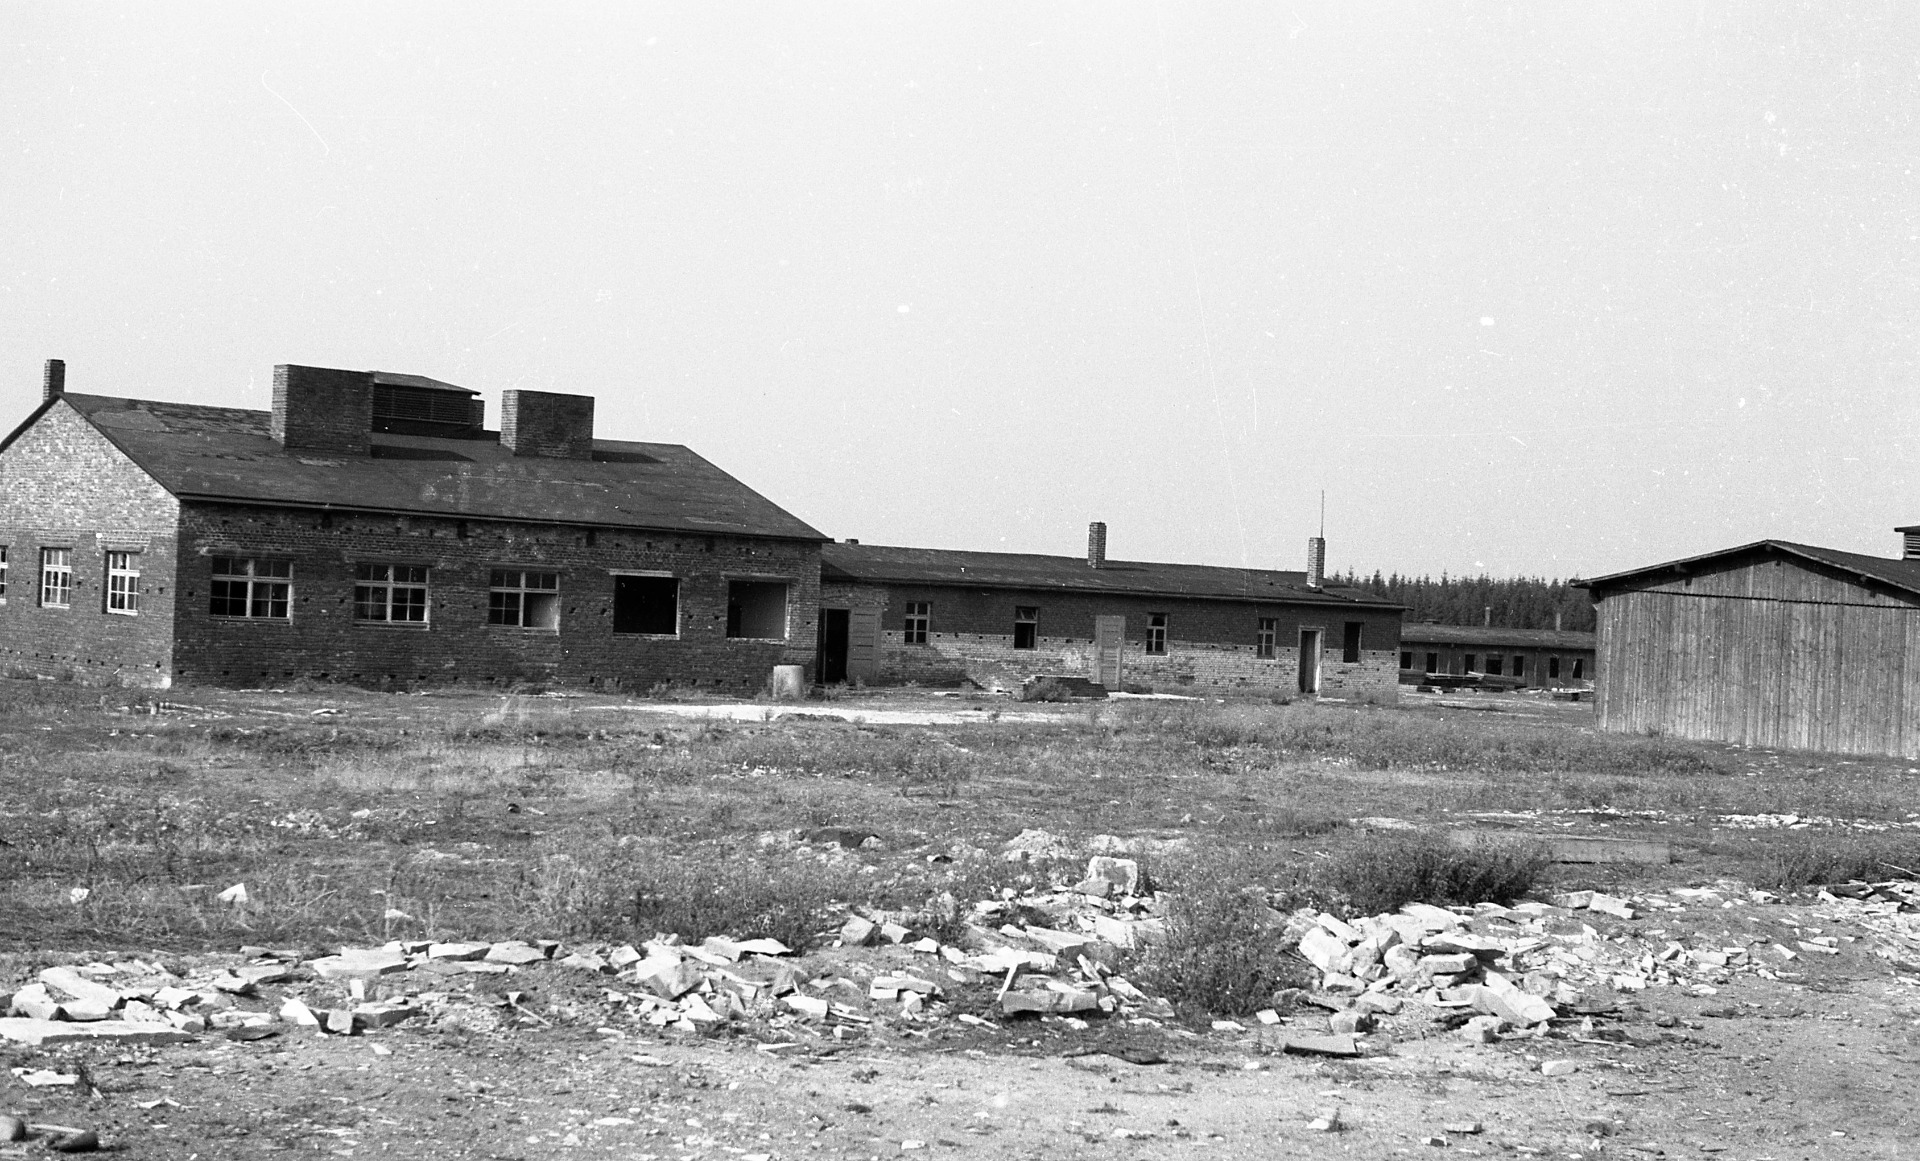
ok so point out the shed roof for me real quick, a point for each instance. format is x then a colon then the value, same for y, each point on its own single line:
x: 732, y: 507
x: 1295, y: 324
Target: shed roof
x: 226, y: 454
x: 1012, y: 570
x: 1903, y: 575
x: 1426, y: 632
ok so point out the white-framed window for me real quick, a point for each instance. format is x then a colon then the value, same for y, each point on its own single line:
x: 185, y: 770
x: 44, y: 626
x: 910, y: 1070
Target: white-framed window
x: 245, y: 586
x: 123, y: 583
x: 919, y: 620
x: 523, y: 597
x: 3, y: 574
x: 56, y: 578
x: 390, y: 594
x: 1026, y: 626
x: 1157, y: 634
x: 1266, y: 638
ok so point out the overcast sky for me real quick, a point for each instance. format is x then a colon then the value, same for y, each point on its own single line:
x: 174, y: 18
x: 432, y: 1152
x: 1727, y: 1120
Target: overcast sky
x: 1525, y: 288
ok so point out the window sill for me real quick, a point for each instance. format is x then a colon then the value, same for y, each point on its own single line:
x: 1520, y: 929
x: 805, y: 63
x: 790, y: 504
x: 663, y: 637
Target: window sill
x: 523, y: 629
x: 404, y: 626
x: 121, y: 612
x: 228, y: 619
x: 761, y: 640
x: 656, y: 637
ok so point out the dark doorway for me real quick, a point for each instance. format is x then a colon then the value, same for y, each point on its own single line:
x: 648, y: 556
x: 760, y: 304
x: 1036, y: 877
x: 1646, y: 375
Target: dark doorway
x: 833, y: 647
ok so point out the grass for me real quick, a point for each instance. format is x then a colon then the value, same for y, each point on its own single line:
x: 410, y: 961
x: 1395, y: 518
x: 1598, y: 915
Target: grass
x: 1386, y: 870
x: 466, y: 815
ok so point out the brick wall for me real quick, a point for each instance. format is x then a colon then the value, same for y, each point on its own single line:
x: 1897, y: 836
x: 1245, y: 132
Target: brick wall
x: 542, y: 423
x: 1210, y: 646
x: 322, y: 409
x: 323, y: 639
x: 64, y: 485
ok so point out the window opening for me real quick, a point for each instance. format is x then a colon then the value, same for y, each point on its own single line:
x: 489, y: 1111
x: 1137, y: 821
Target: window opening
x: 919, y: 619
x: 1579, y: 668
x: 523, y: 598
x: 1406, y: 659
x: 1157, y: 634
x: 248, y: 587
x: 1026, y: 626
x: 1350, y: 642
x: 1553, y: 667
x: 3, y: 574
x: 56, y: 578
x: 1266, y: 638
x: 1471, y: 663
x: 394, y: 594
x: 1519, y: 665
x: 646, y: 604
x: 1494, y: 665
x: 1433, y: 663
x: 757, y: 610
x: 123, y: 583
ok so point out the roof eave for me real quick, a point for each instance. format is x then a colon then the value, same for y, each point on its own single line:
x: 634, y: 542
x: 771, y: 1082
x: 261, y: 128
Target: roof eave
x: 324, y: 506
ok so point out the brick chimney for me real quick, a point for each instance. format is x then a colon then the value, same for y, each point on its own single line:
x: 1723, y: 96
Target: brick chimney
x: 1316, y: 561
x: 322, y: 409
x: 542, y: 423
x: 53, y: 380
x: 1097, y: 544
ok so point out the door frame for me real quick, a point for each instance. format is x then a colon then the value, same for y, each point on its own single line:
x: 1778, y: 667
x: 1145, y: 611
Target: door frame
x: 1311, y: 650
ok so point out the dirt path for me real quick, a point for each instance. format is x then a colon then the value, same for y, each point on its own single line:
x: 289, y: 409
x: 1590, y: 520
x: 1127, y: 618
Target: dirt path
x: 1802, y: 1073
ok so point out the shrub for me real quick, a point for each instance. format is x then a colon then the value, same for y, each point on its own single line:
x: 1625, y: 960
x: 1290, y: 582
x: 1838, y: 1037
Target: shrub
x: 1387, y: 870
x: 1045, y: 689
x: 695, y: 897
x: 1226, y: 951
x: 1808, y: 859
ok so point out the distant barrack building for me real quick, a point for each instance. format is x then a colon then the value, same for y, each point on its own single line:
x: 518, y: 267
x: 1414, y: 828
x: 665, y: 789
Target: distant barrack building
x: 1526, y: 658
x: 1767, y: 644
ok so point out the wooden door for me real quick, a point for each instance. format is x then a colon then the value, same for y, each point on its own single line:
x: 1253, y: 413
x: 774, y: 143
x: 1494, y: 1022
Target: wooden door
x: 1108, y: 635
x: 863, y: 645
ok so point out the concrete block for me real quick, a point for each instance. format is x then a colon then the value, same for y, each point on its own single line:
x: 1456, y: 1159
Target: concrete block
x: 44, y: 1033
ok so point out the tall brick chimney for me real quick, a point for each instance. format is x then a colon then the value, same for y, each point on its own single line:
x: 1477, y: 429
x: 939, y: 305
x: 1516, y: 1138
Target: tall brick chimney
x: 53, y: 380
x: 1316, y: 561
x: 543, y: 423
x: 1097, y: 544
x: 322, y: 409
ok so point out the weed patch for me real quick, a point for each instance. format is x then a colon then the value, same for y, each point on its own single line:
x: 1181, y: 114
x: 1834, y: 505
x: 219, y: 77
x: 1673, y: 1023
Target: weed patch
x: 1810, y: 860
x: 1387, y: 870
x: 1225, y: 951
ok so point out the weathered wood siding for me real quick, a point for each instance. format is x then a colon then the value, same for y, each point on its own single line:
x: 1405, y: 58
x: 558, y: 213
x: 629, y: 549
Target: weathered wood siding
x: 1771, y: 653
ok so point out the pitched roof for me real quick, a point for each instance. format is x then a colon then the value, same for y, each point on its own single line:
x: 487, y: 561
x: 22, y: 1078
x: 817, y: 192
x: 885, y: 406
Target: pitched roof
x: 1012, y: 570
x: 1903, y: 575
x: 1418, y: 632
x: 225, y: 453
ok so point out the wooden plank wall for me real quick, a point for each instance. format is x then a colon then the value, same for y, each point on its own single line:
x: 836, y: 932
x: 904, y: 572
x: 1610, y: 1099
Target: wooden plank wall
x: 1773, y: 670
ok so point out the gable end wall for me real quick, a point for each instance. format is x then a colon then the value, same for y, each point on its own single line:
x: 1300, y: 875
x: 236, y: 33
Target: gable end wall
x: 65, y: 485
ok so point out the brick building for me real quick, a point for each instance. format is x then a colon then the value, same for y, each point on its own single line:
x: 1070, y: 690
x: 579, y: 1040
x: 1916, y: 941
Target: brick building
x: 891, y: 615
x: 370, y: 529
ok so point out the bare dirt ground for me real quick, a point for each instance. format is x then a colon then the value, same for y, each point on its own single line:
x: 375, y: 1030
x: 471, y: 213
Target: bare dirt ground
x: 1817, y: 1057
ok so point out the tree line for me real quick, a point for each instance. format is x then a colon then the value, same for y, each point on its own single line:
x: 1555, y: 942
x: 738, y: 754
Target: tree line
x: 1516, y: 603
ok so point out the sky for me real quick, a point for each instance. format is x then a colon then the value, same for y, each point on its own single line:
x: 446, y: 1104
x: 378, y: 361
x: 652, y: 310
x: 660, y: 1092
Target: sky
x: 1530, y: 288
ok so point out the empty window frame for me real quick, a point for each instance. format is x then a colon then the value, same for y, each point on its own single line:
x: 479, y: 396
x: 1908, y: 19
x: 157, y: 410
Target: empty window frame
x: 3, y: 574
x: 56, y: 578
x: 1519, y: 665
x: 919, y: 619
x: 1406, y: 659
x: 1553, y: 668
x: 1026, y: 626
x: 757, y: 609
x: 123, y: 583
x: 1469, y: 664
x: 1266, y: 638
x: 524, y: 598
x: 1495, y: 665
x: 1579, y: 668
x: 648, y: 605
x: 390, y: 594
x: 1350, y: 642
x: 1157, y: 634
x: 250, y: 587
x: 1433, y: 663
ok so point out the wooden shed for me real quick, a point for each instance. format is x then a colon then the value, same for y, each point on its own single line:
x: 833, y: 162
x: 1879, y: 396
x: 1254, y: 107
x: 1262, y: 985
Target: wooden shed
x: 1768, y: 644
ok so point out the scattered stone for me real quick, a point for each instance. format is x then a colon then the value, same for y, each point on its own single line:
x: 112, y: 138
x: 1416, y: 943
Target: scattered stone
x: 1350, y: 1022
x: 34, y: 1002
x: 40, y: 1033
x: 359, y: 961
x: 458, y: 952
x: 1326, y: 1120
x: 513, y: 953
x: 84, y: 1141
x: 1559, y: 1068
x: 76, y: 992
x: 858, y: 932
x: 12, y: 1129
x: 1122, y: 874
x: 1610, y: 905
x: 1321, y: 1046
x: 1466, y: 1128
